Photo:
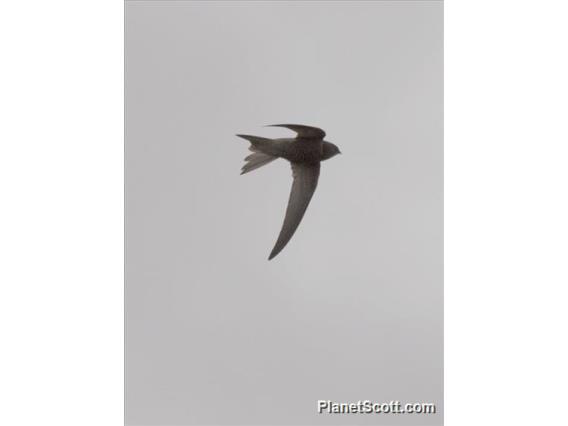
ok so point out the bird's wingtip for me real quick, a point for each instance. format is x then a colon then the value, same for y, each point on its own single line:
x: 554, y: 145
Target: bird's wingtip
x: 275, y: 125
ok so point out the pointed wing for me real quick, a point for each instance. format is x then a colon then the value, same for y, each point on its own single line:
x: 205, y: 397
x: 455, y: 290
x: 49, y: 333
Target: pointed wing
x: 303, y: 132
x: 303, y: 187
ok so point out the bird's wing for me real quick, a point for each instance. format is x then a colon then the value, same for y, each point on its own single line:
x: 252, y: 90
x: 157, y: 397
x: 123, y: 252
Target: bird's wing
x: 303, y: 132
x: 303, y: 187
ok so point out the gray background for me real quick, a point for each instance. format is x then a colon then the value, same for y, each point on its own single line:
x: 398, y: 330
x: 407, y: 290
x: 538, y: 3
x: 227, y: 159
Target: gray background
x: 352, y: 308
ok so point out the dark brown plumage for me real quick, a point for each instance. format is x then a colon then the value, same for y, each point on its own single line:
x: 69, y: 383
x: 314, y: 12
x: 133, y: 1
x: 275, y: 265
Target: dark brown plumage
x: 305, y: 152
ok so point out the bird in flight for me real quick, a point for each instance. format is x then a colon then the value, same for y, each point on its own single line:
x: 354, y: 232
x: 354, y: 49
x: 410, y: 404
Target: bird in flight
x: 305, y: 152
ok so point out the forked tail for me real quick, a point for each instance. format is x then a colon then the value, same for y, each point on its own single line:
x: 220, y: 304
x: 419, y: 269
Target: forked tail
x: 257, y: 158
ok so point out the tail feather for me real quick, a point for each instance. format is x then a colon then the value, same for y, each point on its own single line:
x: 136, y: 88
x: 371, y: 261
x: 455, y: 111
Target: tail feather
x: 256, y: 160
x: 256, y: 140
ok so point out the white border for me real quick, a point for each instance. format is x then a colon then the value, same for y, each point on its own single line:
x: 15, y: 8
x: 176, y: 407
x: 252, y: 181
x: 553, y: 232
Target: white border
x: 61, y: 214
x: 506, y: 212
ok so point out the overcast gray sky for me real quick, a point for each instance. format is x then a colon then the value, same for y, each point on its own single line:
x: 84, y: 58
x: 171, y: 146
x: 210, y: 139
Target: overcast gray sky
x: 352, y: 308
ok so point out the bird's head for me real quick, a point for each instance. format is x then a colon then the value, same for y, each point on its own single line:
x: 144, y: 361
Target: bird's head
x: 330, y: 150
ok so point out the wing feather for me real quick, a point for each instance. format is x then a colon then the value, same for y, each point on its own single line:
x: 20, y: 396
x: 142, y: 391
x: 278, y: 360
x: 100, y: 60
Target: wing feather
x: 303, y: 187
x: 303, y: 132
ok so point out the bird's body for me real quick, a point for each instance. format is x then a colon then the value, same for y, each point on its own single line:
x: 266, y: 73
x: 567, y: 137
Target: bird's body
x: 304, y: 152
